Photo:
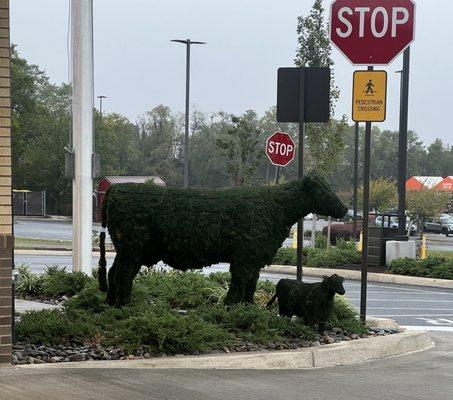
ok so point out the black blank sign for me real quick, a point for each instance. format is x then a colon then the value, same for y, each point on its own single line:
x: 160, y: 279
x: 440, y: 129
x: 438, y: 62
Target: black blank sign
x: 317, y: 94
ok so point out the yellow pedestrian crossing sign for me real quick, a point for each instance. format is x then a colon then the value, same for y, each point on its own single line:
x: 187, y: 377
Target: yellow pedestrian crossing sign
x: 369, y: 96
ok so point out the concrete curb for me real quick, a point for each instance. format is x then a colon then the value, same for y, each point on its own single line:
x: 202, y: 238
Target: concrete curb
x: 26, y: 252
x: 355, y: 275
x: 343, y: 353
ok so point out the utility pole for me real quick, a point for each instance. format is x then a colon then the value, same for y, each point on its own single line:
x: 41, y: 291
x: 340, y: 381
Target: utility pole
x: 82, y: 128
x: 188, y: 43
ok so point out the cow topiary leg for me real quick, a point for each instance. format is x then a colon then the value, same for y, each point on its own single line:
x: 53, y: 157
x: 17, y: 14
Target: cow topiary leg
x: 235, y: 293
x: 111, y: 292
x: 124, y: 277
x: 243, y: 284
x: 250, y: 286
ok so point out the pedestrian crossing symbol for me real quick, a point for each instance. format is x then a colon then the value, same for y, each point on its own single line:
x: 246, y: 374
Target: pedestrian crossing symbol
x: 369, y: 96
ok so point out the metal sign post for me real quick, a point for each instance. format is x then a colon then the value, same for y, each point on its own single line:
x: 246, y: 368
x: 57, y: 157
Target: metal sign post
x: 300, y: 171
x: 365, y: 221
x: 402, y: 145
x: 303, y: 95
x: 372, y: 32
x: 368, y: 105
x: 356, y: 180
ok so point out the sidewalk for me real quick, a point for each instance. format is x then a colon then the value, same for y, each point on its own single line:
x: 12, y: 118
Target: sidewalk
x: 22, y: 306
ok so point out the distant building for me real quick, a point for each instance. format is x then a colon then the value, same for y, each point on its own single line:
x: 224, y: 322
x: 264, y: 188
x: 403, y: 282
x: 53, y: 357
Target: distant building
x: 423, y: 182
x: 433, y: 182
x: 108, y: 181
x: 446, y: 184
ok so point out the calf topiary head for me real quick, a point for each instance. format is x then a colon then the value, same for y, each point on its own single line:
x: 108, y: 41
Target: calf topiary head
x: 335, y: 284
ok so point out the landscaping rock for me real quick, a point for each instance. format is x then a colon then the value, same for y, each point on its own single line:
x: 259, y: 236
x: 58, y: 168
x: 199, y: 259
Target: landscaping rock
x: 77, y: 357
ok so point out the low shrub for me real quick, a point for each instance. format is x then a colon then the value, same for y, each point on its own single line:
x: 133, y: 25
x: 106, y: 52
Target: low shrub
x: 332, y: 258
x: 344, y: 253
x: 341, y: 231
x: 54, y: 282
x: 170, y: 313
x: 58, y: 282
x: 28, y: 284
x: 285, y: 256
x: 345, y: 316
x: 431, y: 267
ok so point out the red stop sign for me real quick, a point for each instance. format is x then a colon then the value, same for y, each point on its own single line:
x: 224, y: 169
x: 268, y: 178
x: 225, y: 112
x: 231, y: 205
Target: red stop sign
x: 372, y: 32
x: 280, y: 148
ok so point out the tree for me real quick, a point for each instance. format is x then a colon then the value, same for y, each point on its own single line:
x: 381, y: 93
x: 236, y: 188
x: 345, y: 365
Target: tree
x: 161, y: 142
x: 240, y: 146
x: 208, y: 168
x: 425, y: 204
x: 118, y: 144
x: 325, y: 141
x: 383, y: 194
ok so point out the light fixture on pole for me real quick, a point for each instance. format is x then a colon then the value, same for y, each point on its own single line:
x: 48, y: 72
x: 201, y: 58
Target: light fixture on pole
x: 101, y: 98
x: 188, y: 43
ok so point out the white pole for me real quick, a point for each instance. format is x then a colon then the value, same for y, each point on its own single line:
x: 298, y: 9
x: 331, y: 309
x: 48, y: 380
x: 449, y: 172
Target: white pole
x: 313, y: 231
x: 83, y: 102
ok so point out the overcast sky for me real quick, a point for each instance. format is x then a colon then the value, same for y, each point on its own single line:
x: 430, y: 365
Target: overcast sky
x: 138, y: 68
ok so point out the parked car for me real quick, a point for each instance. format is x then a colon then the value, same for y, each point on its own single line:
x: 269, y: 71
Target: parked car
x: 350, y: 216
x: 394, y: 223
x: 442, y: 224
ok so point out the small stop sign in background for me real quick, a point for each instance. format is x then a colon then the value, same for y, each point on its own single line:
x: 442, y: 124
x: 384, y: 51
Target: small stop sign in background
x: 280, y: 149
x: 372, y: 32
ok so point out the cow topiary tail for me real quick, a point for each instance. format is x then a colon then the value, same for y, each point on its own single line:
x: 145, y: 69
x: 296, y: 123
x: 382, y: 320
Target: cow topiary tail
x: 102, y: 275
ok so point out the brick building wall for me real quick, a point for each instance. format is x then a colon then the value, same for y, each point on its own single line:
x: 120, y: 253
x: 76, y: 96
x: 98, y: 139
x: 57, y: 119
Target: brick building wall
x: 6, y: 238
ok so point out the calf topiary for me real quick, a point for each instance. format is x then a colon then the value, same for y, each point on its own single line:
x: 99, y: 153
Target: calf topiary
x: 193, y: 229
x: 313, y: 302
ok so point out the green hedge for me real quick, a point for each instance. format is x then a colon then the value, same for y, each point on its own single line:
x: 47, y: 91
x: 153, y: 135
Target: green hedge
x: 343, y: 253
x: 431, y: 267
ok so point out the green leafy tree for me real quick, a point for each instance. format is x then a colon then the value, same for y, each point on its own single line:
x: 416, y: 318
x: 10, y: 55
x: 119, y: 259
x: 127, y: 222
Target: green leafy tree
x: 425, y: 204
x: 208, y: 167
x: 240, y: 145
x: 325, y: 141
x: 383, y: 194
x: 161, y: 141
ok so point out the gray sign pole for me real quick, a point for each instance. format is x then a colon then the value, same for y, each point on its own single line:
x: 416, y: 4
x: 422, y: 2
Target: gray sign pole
x: 300, y: 169
x: 277, y: 174
x: 366, y: 213
x: 356, y: 179
x: 402, y: 145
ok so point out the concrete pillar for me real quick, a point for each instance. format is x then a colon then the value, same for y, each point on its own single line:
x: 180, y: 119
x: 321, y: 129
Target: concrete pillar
x: 6, y: 219
x: 395, y: 249
x: 83, y: 102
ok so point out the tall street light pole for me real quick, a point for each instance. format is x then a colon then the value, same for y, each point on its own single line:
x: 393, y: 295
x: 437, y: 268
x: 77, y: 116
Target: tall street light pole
x: 188, y: 43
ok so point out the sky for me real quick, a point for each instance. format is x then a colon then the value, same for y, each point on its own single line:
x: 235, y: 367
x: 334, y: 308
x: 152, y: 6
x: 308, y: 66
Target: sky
x: 138, y: 68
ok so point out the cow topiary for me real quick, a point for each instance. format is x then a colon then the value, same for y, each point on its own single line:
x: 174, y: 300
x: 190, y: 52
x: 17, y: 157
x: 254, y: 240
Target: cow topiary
x: 193, y: 229
x: 313, y: 302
